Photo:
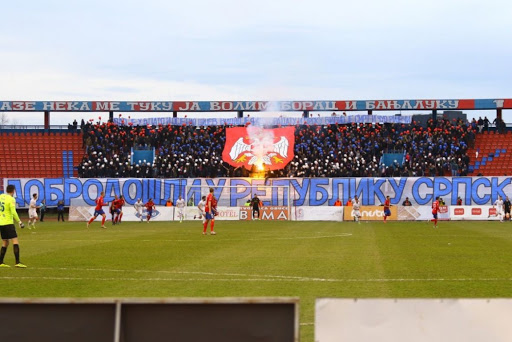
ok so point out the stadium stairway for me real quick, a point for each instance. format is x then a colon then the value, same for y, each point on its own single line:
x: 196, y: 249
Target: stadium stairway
x: 39, y: 154
x: 388, y: 158
x: 494, y: 154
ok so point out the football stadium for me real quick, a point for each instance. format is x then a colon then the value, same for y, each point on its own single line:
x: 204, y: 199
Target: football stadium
x: 339, y: 221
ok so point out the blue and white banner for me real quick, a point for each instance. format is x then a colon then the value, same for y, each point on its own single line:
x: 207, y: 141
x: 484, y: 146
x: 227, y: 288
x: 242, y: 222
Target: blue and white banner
x: 281, y: 121
x: 253, y: 106
x: 295, y: 191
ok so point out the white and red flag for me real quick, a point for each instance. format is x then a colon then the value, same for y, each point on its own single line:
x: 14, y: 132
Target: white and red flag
x: 269, y: 149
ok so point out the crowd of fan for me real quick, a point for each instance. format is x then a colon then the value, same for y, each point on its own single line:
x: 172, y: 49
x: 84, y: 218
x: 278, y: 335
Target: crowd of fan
x: 180, y: 151
x: 356, y: 150
x: 353, y: 150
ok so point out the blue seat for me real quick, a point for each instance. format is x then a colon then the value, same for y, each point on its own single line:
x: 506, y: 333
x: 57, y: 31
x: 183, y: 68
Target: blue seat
x: 65, y: 163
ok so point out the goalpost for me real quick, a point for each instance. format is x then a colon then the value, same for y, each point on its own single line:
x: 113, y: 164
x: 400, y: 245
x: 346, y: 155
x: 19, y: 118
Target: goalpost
x: 231, y: 200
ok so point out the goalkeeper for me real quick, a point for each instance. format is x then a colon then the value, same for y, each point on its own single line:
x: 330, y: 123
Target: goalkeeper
x: 7, y: 216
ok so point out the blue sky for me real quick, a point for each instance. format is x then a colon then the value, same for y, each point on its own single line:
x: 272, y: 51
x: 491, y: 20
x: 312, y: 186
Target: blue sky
x: 261, y: 50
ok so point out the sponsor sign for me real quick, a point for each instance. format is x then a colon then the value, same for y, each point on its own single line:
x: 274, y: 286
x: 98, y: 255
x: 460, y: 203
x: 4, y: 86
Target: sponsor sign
x: 269, y: 149
x: 370, y: 213
x: 485, y: 212
x: 421, y: 213
x: 225, y: 214
x: 84, y: 213
x: 266, y: 213
x: 306, y: 213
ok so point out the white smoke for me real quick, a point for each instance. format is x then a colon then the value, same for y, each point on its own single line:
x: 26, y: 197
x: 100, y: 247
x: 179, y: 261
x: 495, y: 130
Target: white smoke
x: 262, y: 140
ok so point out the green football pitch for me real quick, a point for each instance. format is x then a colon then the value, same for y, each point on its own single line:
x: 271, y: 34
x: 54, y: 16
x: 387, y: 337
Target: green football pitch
x: 307, y: 260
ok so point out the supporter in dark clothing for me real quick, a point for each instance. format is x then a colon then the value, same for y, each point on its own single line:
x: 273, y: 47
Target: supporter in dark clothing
x: 350, y: 150
x: 480, y: 124
x: 486, y: 124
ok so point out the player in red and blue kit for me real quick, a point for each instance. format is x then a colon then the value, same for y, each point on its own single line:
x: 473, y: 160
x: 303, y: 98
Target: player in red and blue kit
x: 387, y: 211
x: 209, y: 210
x: 215, y: 213
x: 149, y: 208
x: 99, y: 211
x: 435, y: 210
x: 118, y: 209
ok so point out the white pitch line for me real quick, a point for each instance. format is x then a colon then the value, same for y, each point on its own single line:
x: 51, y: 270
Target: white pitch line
x: 178, y: 272
x: 249, y: 279
x: 195, y: 240
x: 254, y: 277
x: 265, y: 238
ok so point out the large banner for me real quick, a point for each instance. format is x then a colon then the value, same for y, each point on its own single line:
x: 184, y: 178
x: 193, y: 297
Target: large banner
x: 259, y: 106
x: 264, y: 149
x: 278, y: 121
x: 233, y: 192
x: 481, y: 213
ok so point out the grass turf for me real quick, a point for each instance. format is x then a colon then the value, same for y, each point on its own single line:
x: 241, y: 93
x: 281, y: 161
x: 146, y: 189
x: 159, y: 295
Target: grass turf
x: 308, y: 260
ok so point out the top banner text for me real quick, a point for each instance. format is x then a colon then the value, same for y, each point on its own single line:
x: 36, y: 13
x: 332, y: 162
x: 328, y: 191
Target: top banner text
x: 250, y: 106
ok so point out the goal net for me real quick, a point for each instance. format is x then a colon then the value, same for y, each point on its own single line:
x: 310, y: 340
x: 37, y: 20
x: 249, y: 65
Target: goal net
x: 233, y: 201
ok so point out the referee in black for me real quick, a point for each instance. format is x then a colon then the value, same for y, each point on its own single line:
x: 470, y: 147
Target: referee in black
x: 507, y: 205
x: 255, y: 202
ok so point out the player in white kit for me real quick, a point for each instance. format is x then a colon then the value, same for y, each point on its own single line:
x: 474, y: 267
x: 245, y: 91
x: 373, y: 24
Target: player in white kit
x: 356, y: 209
x: 499, y: 208
x: 32, y: 212
x: 180, y: 205
x: 139, y: 206
x: 200, y: 208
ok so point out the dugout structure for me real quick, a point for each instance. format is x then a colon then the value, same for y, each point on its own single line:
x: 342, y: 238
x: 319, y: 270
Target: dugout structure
x: 106, y: 320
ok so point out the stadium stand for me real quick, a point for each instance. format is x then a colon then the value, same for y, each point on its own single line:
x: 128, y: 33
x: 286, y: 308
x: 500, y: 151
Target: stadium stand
x: 105, y: 150
x: 39, y: 154
x: 355, y: 150
x: 491, y: 154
